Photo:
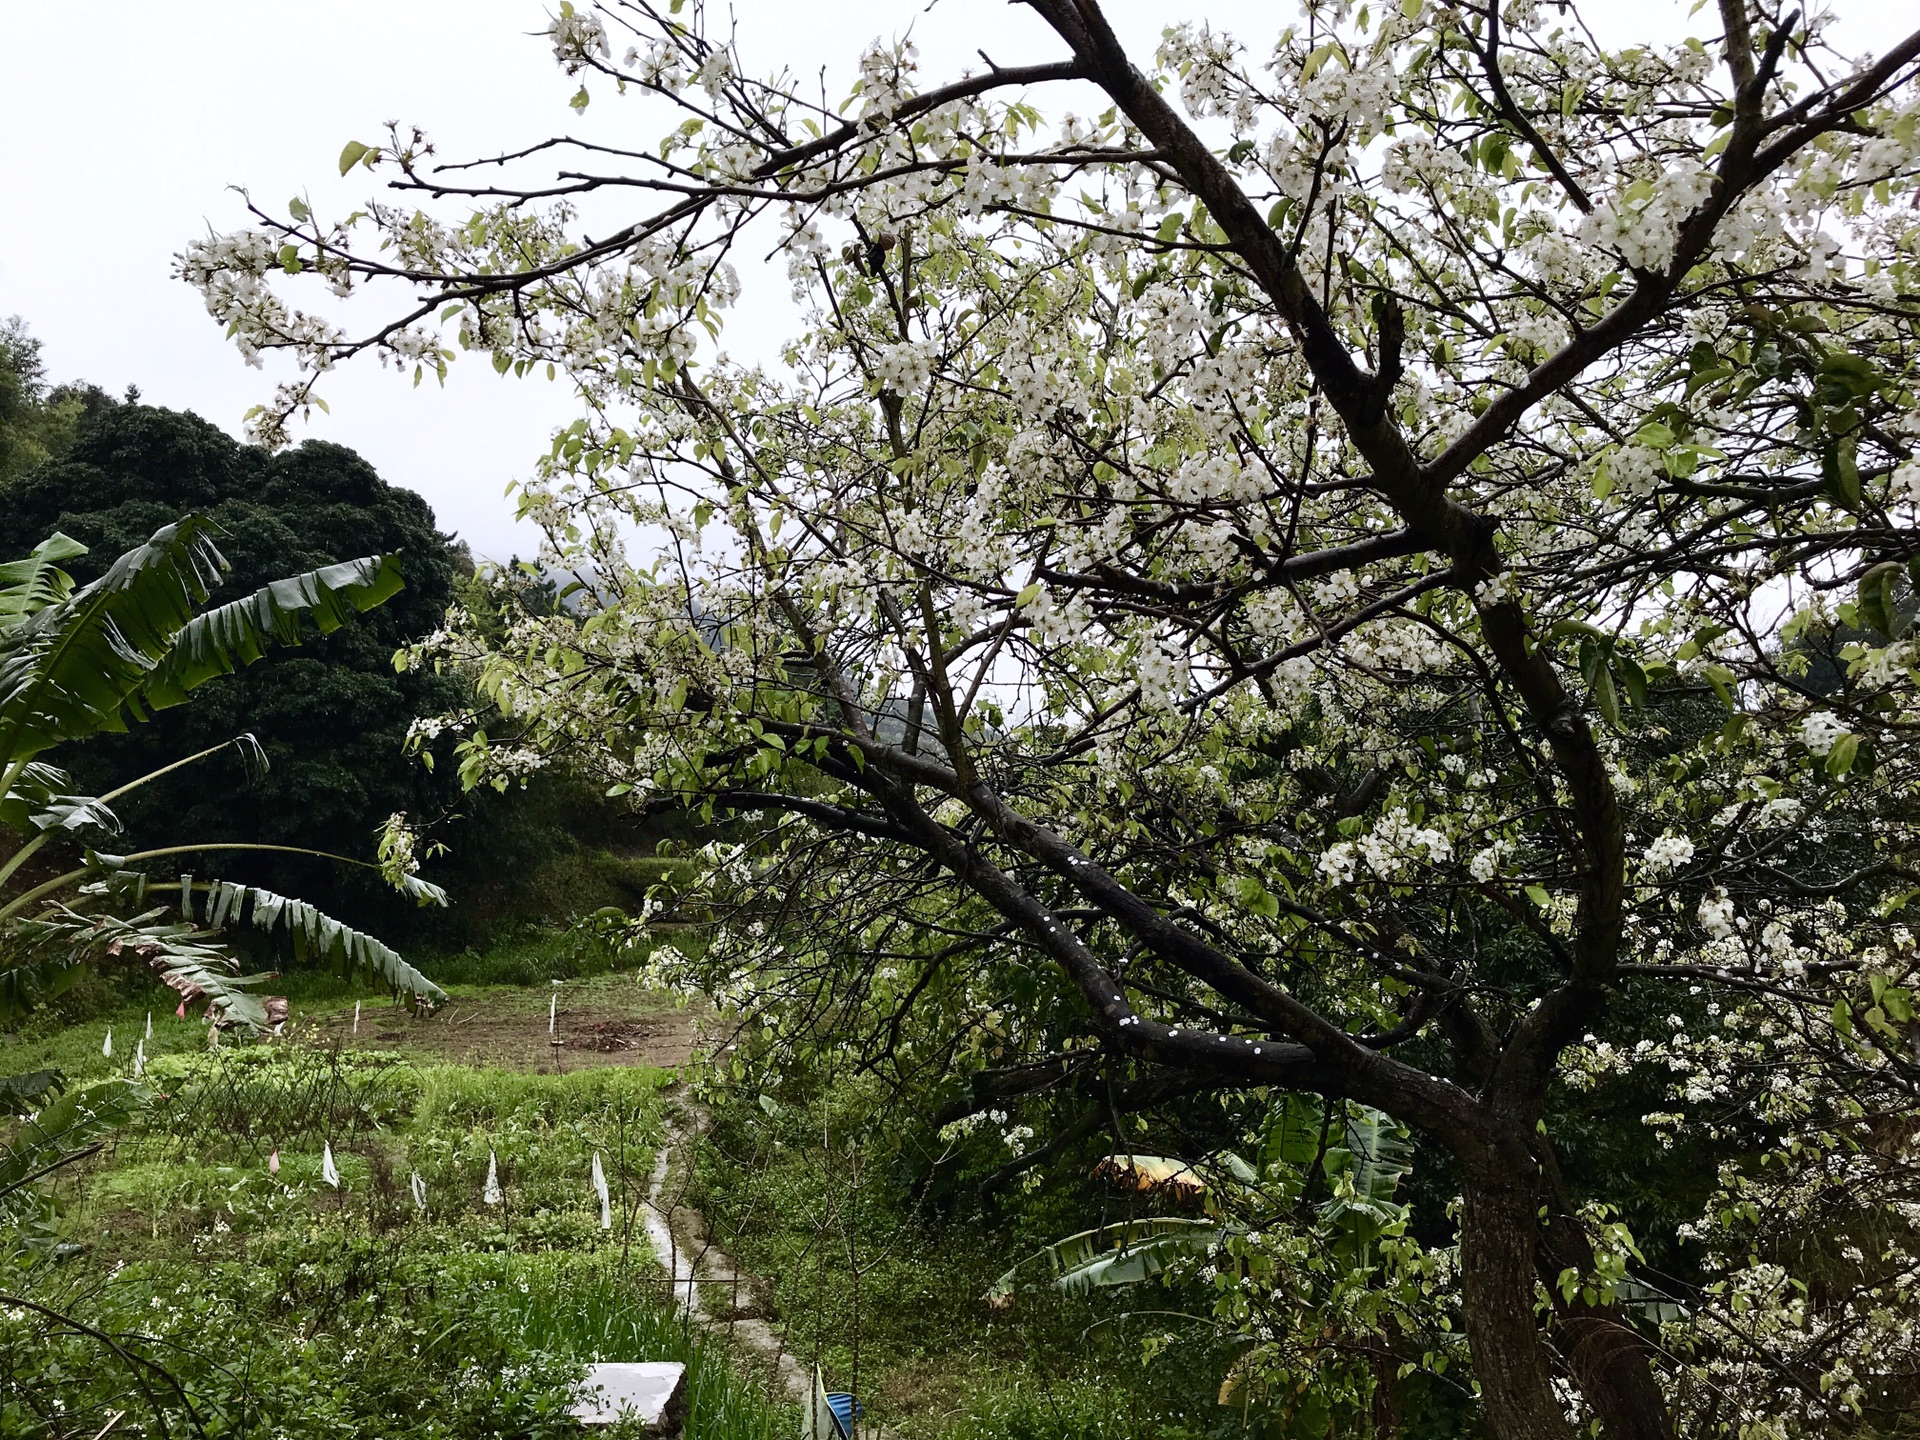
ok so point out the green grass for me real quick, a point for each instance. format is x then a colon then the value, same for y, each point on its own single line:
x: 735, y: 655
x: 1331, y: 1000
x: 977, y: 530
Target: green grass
x: 345, y: 1332
x: 241, y: 1301
x: 597, y: 1313
x: 284, y: 1307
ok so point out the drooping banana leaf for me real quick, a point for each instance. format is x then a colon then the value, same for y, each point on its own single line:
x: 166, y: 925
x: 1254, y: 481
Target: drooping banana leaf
x: 236, y: 634
x: 1116, y: 1254
x: 74, y: 814
x: 315, y: 934
x: 59, y: 941
x: 28, y: 792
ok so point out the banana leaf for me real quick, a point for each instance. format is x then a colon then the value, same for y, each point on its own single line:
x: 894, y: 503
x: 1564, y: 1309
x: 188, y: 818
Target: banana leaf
x: 69, y: 669
x: 134, y: 641
x: 315, y: 934
x: 38, y: 581
x: 235, y: 635
x: 1116, y: 1254
x: 59, y: 941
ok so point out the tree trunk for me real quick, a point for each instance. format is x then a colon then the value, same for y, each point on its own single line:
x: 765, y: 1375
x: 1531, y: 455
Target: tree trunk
x: 1503, y: 1252
x: 1610, y: 1360
x: 1498, y: 1242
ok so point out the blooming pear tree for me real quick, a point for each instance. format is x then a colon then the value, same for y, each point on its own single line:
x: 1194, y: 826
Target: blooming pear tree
x: 1315, y: 564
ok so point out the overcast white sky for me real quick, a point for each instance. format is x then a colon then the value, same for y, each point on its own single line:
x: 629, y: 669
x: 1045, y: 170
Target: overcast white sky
x: 126, y: 121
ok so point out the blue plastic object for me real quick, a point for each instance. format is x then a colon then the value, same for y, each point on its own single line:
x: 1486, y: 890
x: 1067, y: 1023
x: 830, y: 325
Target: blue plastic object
x: 845, y: 1410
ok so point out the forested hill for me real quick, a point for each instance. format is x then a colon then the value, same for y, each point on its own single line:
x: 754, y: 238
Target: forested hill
x: 331, y: 715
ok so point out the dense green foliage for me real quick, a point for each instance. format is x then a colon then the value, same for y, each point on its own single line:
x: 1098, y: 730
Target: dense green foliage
x: 79, y: 661
x: 822, y: 1196
x: 331, y: 717
x: 37, y: 422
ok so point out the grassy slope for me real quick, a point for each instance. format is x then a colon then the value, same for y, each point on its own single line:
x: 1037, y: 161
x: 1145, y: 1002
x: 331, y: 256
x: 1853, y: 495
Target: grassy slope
x: 285, y: 1307
x: 349, y: 1314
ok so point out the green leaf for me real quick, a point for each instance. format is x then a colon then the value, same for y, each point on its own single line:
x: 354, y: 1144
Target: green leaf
x: 236, y: 634
x: 31, y: 585
x: 1605, y: 696
x: 357, y: 154
x: 1894, y: 904
x: 1840, y: 467
x: 316, y: 935
x: 1381, y: 1151
x: 1291, y: 1138
x: 75, y: 667
x: 1875, y: 603
x: 1840, y: 759
x: 1314, y: 61
x: 1634, y: 679
x: 64, y: 1128
x: 1722, y: 681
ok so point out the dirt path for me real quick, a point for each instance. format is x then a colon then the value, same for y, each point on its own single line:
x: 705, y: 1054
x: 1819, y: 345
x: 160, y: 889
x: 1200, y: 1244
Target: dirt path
x: 706, y: 1282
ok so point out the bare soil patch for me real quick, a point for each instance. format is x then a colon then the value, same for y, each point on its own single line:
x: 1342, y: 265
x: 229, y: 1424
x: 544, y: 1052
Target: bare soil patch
x: 601, y: 1027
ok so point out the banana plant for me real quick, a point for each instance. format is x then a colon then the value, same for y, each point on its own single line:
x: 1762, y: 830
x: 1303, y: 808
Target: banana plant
x: 1110, y: 1255
x: 70, y: 1125
x: 76, y: 661
x: 1341, y: 1165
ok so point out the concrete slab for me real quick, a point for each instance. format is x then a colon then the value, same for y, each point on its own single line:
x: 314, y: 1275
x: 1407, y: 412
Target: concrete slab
x: 653, y: 1392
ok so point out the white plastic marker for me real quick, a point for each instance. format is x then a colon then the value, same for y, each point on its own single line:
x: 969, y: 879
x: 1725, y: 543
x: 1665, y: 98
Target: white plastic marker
x: 419, y: 1189
x: 553, y: 1008
x: 273, y: 1162
x: 356, y: 1017
x: 600, y: 1189
x: 106, y: 1049
x: 139, y: 1058
x: 492, y: 1193
x: 329, y: 1172
x: 818, y: 1422
x: 149, y: 1024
